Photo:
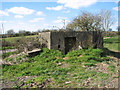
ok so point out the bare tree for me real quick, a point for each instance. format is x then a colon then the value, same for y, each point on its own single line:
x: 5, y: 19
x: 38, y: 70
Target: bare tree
x: 92, y: 22
x: 107, y: 19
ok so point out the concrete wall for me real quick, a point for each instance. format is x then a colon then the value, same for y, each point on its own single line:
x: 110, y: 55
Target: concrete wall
x: 84, y: 39
x: 45, y: 38
x: 56, y: 40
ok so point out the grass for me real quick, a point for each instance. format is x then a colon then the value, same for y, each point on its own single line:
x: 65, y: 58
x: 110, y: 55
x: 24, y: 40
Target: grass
x: 5, y: 55
x: 14, y: 39
x: 112, y: 40
x: 47, y: 70
x: 85, y: 68
x: 13, y: 42
x: 112, y: 43
x: 5, y: 48
x: 113, y: 46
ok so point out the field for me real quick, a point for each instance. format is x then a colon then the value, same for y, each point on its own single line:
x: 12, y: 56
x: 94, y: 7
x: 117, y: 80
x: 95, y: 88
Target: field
x: 85, y: 68
x: 14, y: 39
x: 112, y: 43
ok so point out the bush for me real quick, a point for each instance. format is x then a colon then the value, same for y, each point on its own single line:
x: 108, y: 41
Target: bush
x: 110, y: 33
x: 27, y: 44
x: 7, y: 44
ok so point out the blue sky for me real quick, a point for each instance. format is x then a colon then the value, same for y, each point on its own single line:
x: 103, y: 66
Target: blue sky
x: 32, y: 16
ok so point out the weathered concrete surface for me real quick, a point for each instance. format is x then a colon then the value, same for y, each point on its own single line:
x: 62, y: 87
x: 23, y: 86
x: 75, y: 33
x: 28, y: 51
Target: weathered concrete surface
x: 84, y: 39
x: 67, y: 41
x: 34, y: 52
x: 9, y: 50
x: 45, y: 38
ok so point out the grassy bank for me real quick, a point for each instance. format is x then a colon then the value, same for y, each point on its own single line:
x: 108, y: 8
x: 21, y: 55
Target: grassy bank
x: 51, y: 69
x: 85, y: 68
x: 112, y: 43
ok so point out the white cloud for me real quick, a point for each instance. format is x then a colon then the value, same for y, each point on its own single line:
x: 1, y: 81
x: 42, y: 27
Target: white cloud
x: 57, y: 26
x: 21, y: 23
x: 116, y: 1
x: 114, y: 26
x: 18, y: 16
x: 62, y: 17
x: 68, y: 11
x: 76, y: 4
x: 40, y: 13
x: 116, y: 8
x: 37, y: 20
x: 21, y: 10
x: 60, y: 20
x: 3, y: 13
x: 46, y: 25
x: 3, y: 21
x: 57, y: 21
x: 107, y: 0
x: 55, y: 8
x: 67, y: 21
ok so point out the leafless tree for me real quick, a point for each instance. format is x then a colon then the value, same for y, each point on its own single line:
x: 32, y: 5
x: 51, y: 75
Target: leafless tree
x: 92, y: 22
x: 106, y: 19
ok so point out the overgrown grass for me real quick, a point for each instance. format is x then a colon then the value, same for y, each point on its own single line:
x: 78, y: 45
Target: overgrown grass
x: 52, y: 69
x: 49, y: 65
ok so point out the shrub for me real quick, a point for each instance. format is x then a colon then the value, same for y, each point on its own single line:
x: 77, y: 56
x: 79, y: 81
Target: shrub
x: 6, y: 43
x: 27, y: 44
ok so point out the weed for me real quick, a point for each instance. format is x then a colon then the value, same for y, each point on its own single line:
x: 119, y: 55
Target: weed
x: 44, y: 66
x: 89, y: 64
x: 112, y: 68
x: 29, y: 82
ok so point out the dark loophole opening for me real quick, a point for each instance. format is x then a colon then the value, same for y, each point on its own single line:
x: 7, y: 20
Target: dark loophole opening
x: 58, y: 46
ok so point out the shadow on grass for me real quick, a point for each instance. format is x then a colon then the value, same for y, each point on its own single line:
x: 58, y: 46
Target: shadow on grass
x: 111, y: 53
